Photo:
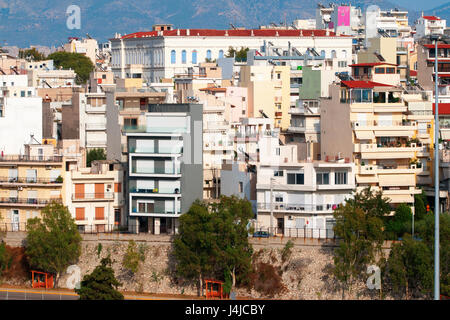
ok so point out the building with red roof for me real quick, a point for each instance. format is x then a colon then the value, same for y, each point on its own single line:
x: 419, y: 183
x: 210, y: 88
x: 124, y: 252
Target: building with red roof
x: 163, y: 53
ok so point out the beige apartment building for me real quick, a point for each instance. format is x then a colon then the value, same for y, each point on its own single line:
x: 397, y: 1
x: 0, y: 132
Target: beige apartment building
x: 28, y: 183
x: 94, y: 196
x: 388, y: 135
x: 269, y: 92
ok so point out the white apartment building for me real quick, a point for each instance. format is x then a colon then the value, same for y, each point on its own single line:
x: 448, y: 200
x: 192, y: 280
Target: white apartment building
x: 427, y: 25
x: 164, y: 53
x: 20, y: 114
x: 87, y: 47
x: 302, y: 195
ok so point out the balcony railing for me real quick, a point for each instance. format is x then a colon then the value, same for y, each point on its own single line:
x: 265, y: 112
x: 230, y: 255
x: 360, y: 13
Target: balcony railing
x: 93, y: 196
x: 24, y: 158
x: 156, y: 210
x: 95, y: 126
x: 29, y: 180
x: 145, y: 129
x: 156, y: 171
x: 156, y: 190
x: 281, y: 206
x: 160, y: 150
x: 29, y: 201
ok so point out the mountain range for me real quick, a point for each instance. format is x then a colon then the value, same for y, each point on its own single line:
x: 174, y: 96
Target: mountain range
x: 44, y: 23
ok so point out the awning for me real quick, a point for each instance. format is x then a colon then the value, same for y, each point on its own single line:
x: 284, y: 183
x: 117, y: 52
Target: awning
x: 400, y: 198
x: 361, y: 135
x: 397, y: 180
x: 366, y: 179
x: 394, y: 133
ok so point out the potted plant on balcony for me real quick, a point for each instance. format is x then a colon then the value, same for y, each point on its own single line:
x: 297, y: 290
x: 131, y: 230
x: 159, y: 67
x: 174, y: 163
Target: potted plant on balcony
x: 59, y: 179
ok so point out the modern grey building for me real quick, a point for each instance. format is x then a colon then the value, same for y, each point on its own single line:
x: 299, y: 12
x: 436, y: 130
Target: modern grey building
x: 165, y: 166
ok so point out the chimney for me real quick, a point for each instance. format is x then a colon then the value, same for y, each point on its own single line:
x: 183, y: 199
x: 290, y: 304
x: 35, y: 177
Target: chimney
x: 178, y: 32
x: 252, y: 34
x: 187, y: 32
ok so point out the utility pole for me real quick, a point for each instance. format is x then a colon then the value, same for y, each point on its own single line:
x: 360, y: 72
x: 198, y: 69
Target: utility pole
x: 436, y: 171
x: 271, y: 203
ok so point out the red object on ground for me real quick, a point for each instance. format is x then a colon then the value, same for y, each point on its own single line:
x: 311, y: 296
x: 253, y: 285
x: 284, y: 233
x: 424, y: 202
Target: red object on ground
x: 41, y: 279
x: 214, y: 294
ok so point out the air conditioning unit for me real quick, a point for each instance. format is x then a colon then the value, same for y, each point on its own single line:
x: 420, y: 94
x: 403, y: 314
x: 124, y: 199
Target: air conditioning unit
x: 429, y: 125
x: 413, y: 145
x: 48, y: 167
x: 19, y: 189
x: 413, y: 166
x: 291, y: 218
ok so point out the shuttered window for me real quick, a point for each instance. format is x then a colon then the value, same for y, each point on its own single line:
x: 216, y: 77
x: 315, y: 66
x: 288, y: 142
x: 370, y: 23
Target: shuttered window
x: 99, y: 213
x: 79, y: 213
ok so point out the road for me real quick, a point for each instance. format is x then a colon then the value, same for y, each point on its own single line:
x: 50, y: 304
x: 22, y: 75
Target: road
x: 36, y: 294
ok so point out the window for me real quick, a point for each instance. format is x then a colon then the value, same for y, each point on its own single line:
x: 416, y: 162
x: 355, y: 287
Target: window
x: 241, y: 187
x: 277, y: 151
x: 361, y: 95
x: 333, y: 54
x: 183, y: 56
x: 1, y: 111
x: 322, y: 53
x: 22, y: 93
x: 278, y: 75
x: 323, y: 178
x: 208, y: 54
x: 390, y: 70
x: 220, y: 54
x: 130, y: 122
x: 278, y: 173
x: 279, y: 198
x: 379, y: 70
x: 340, y: 178
x: 194, y: 57
x: 173, y: 57
x: 344, y: 54
x: 295, y: 178
x: 342, y: 64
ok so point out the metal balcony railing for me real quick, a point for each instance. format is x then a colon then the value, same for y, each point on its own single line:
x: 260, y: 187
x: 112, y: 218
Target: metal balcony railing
x: 24, y: 158
x: 298, y: 206
x: 39, y: 201
x: 93, y: 196
x: 29, y: 180
x: 156, y: 190
x: 156, y: 171
x: 156, y: 210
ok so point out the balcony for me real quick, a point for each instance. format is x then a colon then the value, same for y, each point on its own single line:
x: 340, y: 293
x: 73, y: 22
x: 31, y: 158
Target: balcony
x: 162, y: 130
x: 162, y: 171
x: 216, y: 125
x: 297, y: 110
x: 27, y: 202
x: 402, y: 50
x: 298, y: 207
x: 95, y: 109
x: 135, y: 211
x: 160, y: 150
x: 96, y: 126
x: 24, y: 158
x: 374, y: 151
x: 96, y: 143
x: 156, y: 191
x: 30, y: 180
x: 93, y: 196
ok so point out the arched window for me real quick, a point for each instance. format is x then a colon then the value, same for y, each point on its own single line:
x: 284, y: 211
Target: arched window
x: 173, y: 57
x: 208, y: 54
x: 194, y: 56
x: 220, y: 54
x: 333, y: 54
x: 322, y: 53
x: 344, y: 54
x: 183, y: 56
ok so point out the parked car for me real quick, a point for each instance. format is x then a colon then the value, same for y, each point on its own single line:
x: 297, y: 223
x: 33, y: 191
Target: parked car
x: 261, y: 234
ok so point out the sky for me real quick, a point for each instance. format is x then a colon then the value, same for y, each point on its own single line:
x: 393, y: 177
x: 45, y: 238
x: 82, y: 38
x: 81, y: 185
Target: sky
x: 420, y: 5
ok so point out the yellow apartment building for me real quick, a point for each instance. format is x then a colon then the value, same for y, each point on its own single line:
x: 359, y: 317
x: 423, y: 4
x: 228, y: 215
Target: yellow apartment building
x: 28, y: 183
x: 268, y: 92
x: 386, y: 134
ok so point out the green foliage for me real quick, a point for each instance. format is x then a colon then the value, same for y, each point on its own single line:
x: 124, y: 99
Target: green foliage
x: 400, y: 224
x: 133, y: 257
x: 286, y: 252
x: 5, y: 258
x: 101, y: 284
x: 95, y: 154
x: 420, y: 204
x: 359, y: 226
x: 239, y: 55
x: 59, y: 179
x: 78, y: 62
x: 410, y: 268
x: 213, y: 239
x: 53, y: 242
x: 31, y: 55
x: 99, y: 249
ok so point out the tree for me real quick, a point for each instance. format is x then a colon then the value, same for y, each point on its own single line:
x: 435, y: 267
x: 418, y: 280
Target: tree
x: 133, y: 257
x: 231, y: 216
x: 78, y: 62
x: 5, y: 258
x: 193, y: 245
x: 53, y: 242
x: 359, y: 228
x: 420, y: 202
x: 410, y: 268
x: 239, y: 55
x: 95, y: 154
x: 31, y: 55
x: 401, y: 222
x: 101, y: 284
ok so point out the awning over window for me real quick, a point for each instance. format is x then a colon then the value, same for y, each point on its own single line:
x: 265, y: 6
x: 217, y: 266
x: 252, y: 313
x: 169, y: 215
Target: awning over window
x: 394, y: 133
x: 366, y: 179
x: 361, y: 135
x: 445, y: 134
x: 397, y: 180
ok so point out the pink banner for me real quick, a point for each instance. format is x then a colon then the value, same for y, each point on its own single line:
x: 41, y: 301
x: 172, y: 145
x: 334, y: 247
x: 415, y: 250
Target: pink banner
x: 344, y: 16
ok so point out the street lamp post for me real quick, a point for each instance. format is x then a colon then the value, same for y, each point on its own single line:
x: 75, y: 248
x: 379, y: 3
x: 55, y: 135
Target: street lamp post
x: 436, y: 170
